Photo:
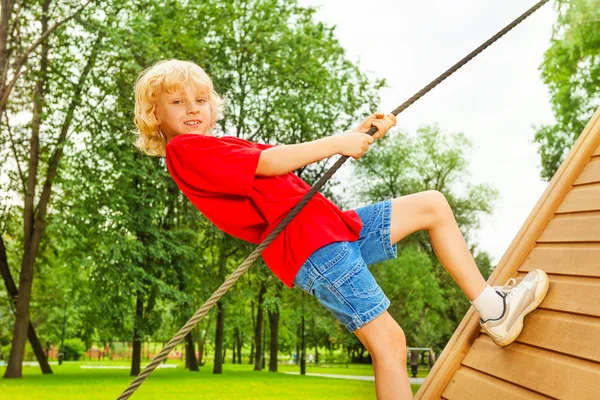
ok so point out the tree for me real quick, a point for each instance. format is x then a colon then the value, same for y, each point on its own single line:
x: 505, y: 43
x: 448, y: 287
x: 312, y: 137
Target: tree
x: 34, y: 215
x: 570, y: 70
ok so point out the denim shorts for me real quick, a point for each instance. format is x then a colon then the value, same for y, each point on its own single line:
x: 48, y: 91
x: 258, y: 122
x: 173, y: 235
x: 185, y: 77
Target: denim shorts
x: 337, y: 274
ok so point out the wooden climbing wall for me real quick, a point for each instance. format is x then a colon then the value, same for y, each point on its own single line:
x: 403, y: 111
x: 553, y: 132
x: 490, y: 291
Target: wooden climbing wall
x: 558, y: 353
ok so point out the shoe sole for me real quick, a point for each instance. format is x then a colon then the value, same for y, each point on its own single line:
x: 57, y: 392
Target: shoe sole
x: 540, y: 295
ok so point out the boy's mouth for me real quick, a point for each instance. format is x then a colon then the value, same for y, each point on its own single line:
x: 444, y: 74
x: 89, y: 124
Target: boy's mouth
x: 192, y: 123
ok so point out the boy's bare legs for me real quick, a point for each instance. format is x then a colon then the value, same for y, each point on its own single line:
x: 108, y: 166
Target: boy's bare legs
x: 430, y: 210
x: 386, y: 343
x: 383, y: 337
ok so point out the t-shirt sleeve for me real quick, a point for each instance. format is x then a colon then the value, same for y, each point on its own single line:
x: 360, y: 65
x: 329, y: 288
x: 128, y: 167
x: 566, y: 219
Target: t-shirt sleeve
x: 211, y: 164
x: 264, y: 146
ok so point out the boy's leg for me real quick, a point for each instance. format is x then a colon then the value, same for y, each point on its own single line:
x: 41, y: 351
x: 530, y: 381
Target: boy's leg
x: 386, y: 343
x: 429, y: 210
x: 503, y: 313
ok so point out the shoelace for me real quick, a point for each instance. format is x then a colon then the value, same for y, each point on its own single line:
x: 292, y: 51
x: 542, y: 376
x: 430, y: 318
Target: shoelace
x: 509, y: 288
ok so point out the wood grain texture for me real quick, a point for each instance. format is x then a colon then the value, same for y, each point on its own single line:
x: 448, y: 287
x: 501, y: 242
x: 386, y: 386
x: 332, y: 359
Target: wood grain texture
x: 581, y: 198
x: 539, y: 370
x: 590, y: 174
x: 577, y: 228
x: 469, y: 384
x: 564, y: 259
x: 569, y: 334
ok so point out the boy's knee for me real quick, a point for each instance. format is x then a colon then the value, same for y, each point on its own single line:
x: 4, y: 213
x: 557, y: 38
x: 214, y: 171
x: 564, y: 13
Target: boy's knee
x: 438, y: 204
x: 394, y: 343
x: 400, y: 341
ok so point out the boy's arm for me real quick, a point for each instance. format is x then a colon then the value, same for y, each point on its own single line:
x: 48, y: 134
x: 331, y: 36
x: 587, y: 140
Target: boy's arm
x: 282, y: 159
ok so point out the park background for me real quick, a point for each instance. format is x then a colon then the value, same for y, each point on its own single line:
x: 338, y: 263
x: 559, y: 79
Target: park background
x: 110, y: 259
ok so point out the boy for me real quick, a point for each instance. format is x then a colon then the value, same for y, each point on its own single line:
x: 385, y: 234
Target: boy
x: 247, y: 188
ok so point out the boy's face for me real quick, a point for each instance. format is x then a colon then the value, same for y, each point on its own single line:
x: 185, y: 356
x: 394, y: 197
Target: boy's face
x: 185, y: 104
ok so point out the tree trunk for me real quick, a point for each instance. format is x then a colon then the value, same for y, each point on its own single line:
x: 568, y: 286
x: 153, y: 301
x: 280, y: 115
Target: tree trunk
x: 273, y: 348
x: 251, y: 361
x: 259, y: 327
x: 234, y: 345
x: 264, y: 345
x: 240, y: 344
x: 190, y: 359
x: 298, y: 333
x: 218, y: 366
x: 137, y: 340
x: 11, y: 288
x: 32, y: 231
x: 201, y: 343
x: 302, y: 350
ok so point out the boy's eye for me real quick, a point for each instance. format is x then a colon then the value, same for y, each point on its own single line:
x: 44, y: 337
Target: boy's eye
x: 200, y: 99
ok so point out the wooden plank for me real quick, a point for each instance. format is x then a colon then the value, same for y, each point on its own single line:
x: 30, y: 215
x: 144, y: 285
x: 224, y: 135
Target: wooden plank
x: 579, y: 259
x: 525, y: 240
x: 596, y: 152
x: 573, y: 229
x: 572, y: 294
x: 469, y: 384
x: 589, y: 174
x: 582, y: 198
x: 552, y: 374
x: 563, y: 333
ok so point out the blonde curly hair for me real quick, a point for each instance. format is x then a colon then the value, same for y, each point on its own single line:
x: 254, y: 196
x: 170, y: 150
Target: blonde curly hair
x: 167, y: 76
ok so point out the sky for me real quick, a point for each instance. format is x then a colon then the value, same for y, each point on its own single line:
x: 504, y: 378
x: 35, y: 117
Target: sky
x: 496, y: 100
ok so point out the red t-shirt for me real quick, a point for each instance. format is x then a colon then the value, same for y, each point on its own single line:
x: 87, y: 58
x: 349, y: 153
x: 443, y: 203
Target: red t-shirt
x: 217, y: 174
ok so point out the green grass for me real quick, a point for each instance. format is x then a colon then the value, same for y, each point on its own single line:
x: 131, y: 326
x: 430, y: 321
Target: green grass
x: 340, y: 369
x: 238, y: 382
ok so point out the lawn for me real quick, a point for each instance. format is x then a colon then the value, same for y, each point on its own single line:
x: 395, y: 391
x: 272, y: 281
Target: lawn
x: 238, y: 382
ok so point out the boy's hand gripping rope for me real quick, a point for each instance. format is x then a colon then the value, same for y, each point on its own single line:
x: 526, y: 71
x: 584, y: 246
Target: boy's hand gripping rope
x: 254, y: 255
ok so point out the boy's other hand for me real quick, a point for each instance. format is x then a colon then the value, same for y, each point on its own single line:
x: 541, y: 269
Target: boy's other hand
x: 382, y: 122
x: 355, y: 142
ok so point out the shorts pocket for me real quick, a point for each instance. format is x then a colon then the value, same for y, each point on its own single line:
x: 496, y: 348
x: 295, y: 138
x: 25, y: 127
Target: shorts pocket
x: 329, y: 256
x: 363, y: 283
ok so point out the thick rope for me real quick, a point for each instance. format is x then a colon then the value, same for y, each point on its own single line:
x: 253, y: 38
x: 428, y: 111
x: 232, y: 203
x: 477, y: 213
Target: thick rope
x: 265, y: 243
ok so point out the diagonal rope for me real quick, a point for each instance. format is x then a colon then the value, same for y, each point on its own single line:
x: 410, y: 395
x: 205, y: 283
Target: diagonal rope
x: 298, y: 207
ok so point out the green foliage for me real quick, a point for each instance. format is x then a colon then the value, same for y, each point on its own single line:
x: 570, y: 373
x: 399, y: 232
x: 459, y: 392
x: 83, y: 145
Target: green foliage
x: 74, y: 348
x: 5, y: 351
x: 571, y: 71
x: 417, y: 301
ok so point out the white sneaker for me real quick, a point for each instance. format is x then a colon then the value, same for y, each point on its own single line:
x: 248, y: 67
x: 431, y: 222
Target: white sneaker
x: 519, y: 301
